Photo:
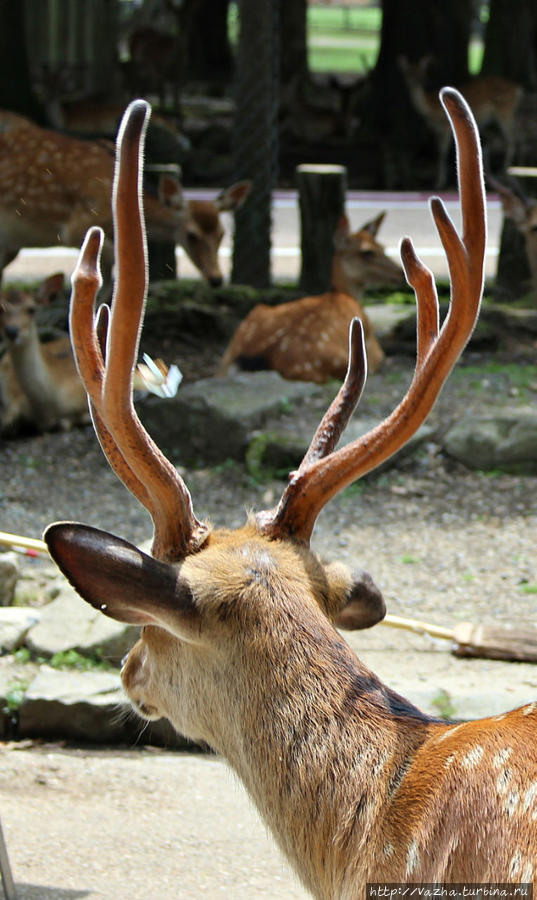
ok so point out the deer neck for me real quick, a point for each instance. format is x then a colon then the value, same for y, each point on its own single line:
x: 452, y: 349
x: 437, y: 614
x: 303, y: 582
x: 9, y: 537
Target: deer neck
x: 342, y: 284
x: 34, y: 376
x: 314, y: 757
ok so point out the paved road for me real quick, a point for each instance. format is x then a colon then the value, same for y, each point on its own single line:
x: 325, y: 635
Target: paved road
x: 408, y: 215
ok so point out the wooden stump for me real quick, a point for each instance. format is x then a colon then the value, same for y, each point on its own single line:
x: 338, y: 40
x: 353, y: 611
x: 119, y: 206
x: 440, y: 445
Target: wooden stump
x: 321, y: 196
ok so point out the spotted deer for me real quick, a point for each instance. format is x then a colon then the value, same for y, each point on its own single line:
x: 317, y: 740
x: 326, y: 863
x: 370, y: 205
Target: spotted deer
x: 307, y: 339
x: 54, y: 187
x: 238, y: 648
x: 491, y: 98
x: 39, y: 383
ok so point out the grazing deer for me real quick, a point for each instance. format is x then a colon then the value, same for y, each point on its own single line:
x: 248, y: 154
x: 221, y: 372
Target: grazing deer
x: 492, y: 100
x: 237, y: 647
x: 307, y: 339
x: 54, y: 187
x: 522, y: 211
x: 39, y: 382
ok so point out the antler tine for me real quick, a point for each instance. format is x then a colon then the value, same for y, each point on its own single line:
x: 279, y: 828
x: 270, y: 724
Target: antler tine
x: 129, y: 449
x: 317, y: 481
x: 342, y: 407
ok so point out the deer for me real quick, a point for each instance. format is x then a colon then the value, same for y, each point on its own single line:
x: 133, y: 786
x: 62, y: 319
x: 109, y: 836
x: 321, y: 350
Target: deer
x: 491, y: 98
x: 238, y: 646
x: 522, y: 211
x: 307, y: 339
x: 39, y: 382
x: 40, y: 389
x: 53, y: 187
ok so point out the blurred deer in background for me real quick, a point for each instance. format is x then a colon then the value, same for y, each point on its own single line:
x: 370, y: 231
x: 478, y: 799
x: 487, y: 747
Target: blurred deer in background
x: 39, y: 382
x: 522, y: 211
x: 237, y: 647
x: 307, y: 339
x: 492, y: 100
x: 54, y: 187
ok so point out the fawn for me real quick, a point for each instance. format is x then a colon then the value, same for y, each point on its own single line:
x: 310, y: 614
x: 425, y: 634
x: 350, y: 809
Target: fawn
x: 39, y: 382
x: 307, y: 339
x: 237, y: 647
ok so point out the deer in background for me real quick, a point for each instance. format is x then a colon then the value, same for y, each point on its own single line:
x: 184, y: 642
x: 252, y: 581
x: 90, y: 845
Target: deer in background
x: 237, y: 647
x: 54, y: 187
x: 39, y: 382
x: 307, y: 339
x: 522, y: 211
x: 491, y: 98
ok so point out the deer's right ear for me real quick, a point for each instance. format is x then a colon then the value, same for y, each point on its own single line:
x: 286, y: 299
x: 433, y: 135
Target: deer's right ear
x: 361, y: 603
x: 121, y: 581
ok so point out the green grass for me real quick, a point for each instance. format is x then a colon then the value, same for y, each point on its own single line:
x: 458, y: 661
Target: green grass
x: 346, y: 39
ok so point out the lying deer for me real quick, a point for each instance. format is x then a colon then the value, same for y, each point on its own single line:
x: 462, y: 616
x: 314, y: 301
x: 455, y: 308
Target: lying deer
x: 491, y: 98
x: 237, y: 647
x: 54, y: 187
x: 39, y: 382
x: 307, y: 339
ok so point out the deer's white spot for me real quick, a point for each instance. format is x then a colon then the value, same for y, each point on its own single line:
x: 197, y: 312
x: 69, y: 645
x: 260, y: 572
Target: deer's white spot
x: 530, y: 796
x: 515, y: 864
x: 473, y: 757
x: 502, y: 784
x: 388, y: 850
x: 412, y: 858
x: 528, y: 710
x: 501, y: 757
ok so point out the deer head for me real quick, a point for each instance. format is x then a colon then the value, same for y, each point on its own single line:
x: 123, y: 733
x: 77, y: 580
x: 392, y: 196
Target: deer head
x: 237, y: 647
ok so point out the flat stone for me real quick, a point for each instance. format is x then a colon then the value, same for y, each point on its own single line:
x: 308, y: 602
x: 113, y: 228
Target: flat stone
x: 506, y: 441
x: 68, y: 623
x: 9, y: 573
x: 15, y: 622
x: 86, y: 706
x: 213, y: 419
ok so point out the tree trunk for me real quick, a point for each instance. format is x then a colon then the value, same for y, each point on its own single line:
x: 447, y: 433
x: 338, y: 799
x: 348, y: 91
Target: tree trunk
x: 414, y: 29
x: 293, y: 40
x: 255, y: 134
x: 16, y: 91
x: 209, y: 52
x: 511, y: 42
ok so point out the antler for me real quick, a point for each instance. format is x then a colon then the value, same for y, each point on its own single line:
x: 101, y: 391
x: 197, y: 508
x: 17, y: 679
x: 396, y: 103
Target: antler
x: 324, y: 473
x: 106, y: 351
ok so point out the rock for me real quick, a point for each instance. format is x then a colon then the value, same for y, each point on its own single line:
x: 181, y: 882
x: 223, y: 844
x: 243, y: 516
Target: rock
x: 15, y: 622
x: 230, y: 408
x: 280, y: 451
x: 85, y: 706
x: 507, y: 441
x: 68, y: 623
x: 9, y: 573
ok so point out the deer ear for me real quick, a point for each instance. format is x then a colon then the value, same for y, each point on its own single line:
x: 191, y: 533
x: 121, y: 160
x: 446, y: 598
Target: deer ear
x: 170, y: 192
x: 121, y: 581
x: 50, y: 288
x: 342, y: 232
x: 363, y: 605
x: 233, y: 196
x: 373, y: 226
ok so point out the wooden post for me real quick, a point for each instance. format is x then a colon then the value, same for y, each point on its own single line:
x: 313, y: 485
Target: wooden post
x: 321, y: 197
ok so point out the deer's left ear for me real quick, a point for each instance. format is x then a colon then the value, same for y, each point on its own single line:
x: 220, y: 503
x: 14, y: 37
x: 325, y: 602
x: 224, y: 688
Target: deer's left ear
x: 373, y: 226
x: 121, y: 581
x: 359, y: 603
